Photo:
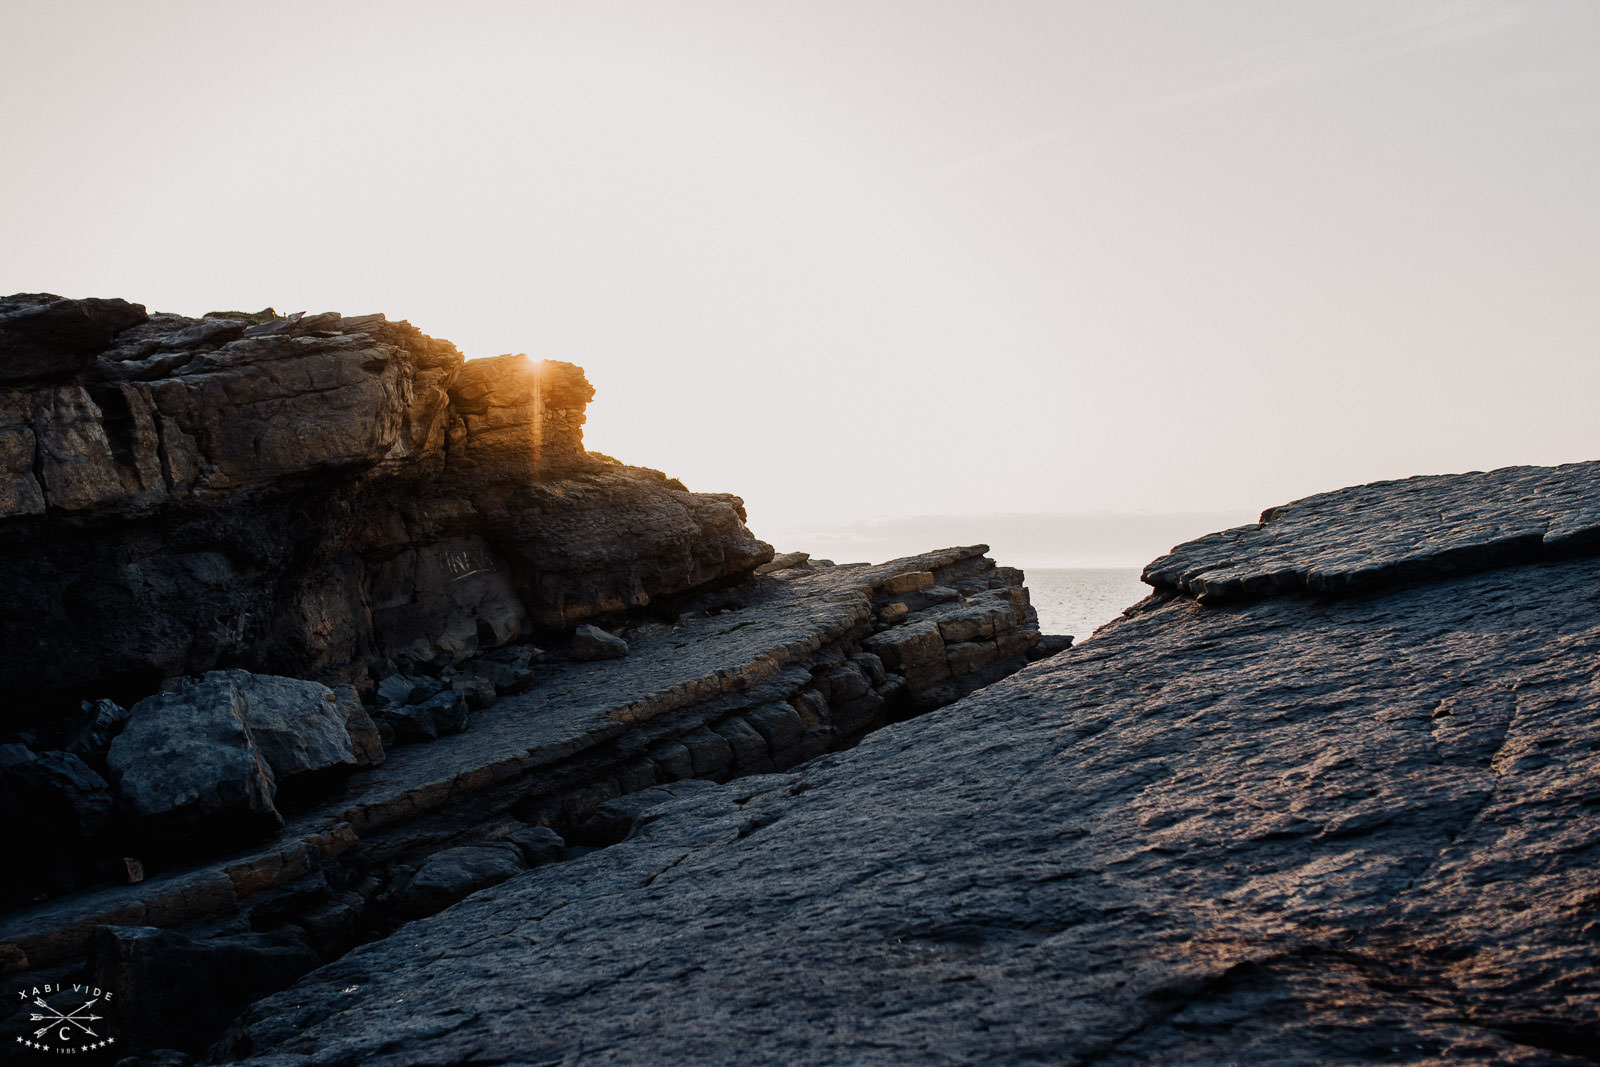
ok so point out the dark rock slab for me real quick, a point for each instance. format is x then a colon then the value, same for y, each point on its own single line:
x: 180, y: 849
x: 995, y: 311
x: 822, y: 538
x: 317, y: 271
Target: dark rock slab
x: 1295, y: 830
x: 175, y: 992
x: 42, y: 335
x: 55, y: 808
x: 1378, y: 535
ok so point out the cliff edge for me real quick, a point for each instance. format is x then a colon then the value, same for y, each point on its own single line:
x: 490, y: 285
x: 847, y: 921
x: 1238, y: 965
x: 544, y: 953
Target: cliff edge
x: 321, y: 496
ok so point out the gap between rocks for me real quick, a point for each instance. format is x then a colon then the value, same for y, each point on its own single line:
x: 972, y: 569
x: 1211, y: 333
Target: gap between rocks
x: 816, y: 656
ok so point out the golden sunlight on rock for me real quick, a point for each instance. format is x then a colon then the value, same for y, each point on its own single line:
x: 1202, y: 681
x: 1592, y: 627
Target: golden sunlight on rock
x: 510, y: 404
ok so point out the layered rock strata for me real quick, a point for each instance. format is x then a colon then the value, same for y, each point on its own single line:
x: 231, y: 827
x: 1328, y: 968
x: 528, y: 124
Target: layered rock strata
x: 317, y: 496
x: 208, y: 519
x: 754, y: 679
x: 1387, y: 533
x: 1353, y: 825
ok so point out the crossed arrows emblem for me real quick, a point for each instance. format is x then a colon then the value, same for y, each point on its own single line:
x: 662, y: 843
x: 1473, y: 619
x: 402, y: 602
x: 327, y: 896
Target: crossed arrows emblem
x: 75, y: 1017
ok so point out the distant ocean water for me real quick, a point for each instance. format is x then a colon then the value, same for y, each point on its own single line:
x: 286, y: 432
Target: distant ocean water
x: 1076, y: 600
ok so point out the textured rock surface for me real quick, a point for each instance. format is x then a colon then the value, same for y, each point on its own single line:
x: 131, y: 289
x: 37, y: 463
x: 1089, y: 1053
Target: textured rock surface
x: 174, y: 991
x: 756, y: 678
x: 186, y: 765
x: 1371, y: 536
x: 449, y: 875
x: 1298, y: 829
x: 298, y: 726
x: 308, y: 496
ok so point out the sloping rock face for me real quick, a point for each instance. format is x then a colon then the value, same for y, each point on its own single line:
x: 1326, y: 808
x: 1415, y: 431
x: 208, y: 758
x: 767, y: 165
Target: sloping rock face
x: 1376, y: 536
x: 1355, y: 827
x: 310, y: 496
x: 749, y: 680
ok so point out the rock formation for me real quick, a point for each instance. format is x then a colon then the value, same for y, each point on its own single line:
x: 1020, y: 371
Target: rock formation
x: 1327, y: 795
x: 315, y: 496
x: 295, y: 563
x: 1348, y: 817
x: 753, y: 679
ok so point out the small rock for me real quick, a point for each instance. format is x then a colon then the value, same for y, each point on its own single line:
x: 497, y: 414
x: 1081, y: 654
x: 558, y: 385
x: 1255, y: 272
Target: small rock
x: 448, y: 876
x: 104, y: 720
x: 1049, y: 645
x: 397, y: 689
x: 444, y: 713
x: 592, y: 643
x: 780, y: 724
x: 128, y: 870
x: 425, y: 689
x: 479, y: 691
x: 710, y: 753
x: 506, y: 677
x: 783, y: 562
x: 749, y: 747
x: 909, y: 582
x: 539, y: 844
x: 612, y: 820
x: 616, y: 819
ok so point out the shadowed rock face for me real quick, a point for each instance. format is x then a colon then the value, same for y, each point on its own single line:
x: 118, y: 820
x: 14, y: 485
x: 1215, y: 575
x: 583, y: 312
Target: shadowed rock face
x: 1336, y: 828
x: 311, y: 496
x: 751, y: 679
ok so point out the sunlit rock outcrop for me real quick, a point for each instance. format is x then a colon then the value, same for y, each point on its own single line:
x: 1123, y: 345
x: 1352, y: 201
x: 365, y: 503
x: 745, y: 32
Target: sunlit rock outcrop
x: 307, y: 495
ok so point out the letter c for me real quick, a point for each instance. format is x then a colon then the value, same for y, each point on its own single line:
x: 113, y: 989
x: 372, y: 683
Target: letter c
x: 66, y: 1035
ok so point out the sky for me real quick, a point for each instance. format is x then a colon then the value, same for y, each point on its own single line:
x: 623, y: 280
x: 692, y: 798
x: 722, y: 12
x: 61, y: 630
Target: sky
x: 860, y: 261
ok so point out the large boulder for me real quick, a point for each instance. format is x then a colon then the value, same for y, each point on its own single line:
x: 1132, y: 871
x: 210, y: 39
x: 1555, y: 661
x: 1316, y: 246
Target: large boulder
x: 187, y: 766
x: 299, y: 727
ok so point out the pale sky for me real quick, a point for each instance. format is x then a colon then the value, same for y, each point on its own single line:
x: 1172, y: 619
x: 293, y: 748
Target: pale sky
x: 873, y: 259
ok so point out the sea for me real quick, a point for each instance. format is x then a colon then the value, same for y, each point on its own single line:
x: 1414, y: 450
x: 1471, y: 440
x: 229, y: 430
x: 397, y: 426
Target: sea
x: 1077, y: 600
